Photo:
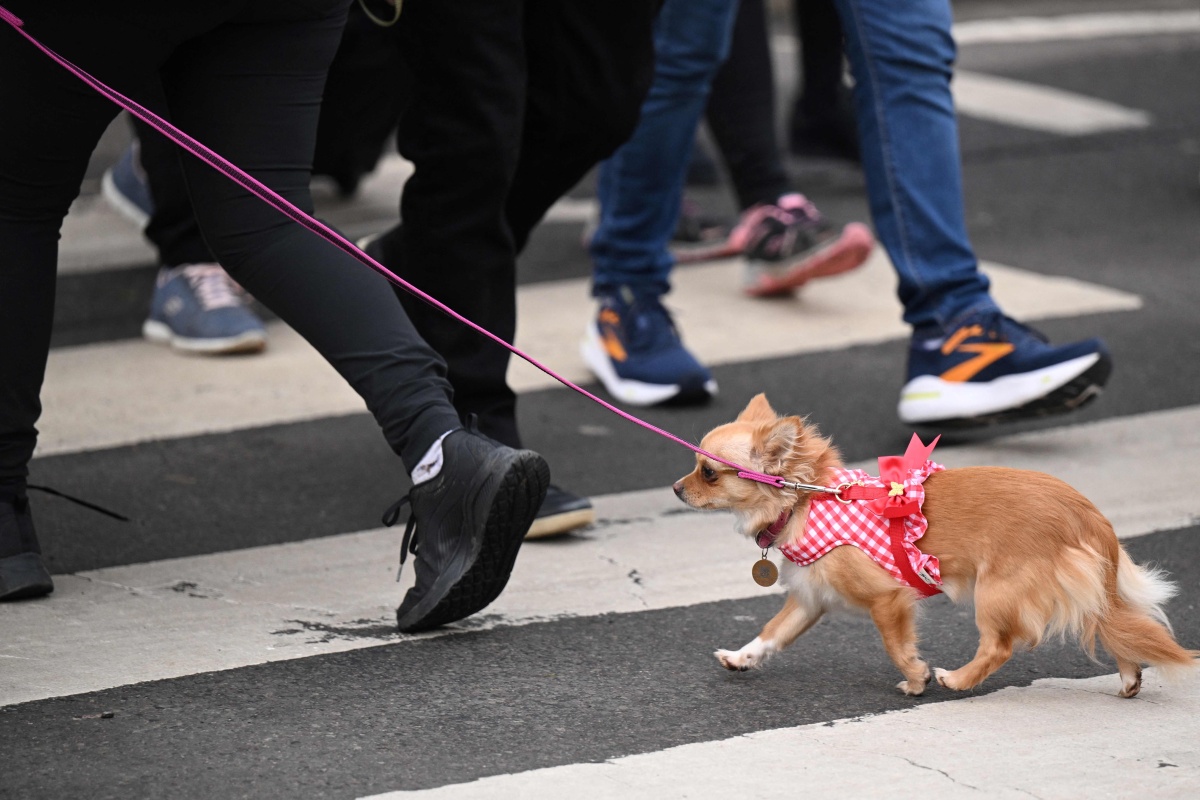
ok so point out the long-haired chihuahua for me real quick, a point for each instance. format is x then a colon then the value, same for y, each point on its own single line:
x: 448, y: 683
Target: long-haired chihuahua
x: 1034, y: 555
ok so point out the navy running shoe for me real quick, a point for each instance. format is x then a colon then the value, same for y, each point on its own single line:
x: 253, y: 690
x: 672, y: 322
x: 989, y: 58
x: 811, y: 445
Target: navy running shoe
x: 633, y: 347
x: 561, y: 512
x: 198, y: 308
x: 989, y: 368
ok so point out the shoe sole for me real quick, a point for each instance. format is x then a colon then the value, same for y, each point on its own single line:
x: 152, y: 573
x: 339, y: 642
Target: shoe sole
x: 512, y: 506
x: 557, y: 524
x: 161, y: 333
x: 847, y: 252
x: 24, y: 576
x: 637, y: 393
x: 929, y: 401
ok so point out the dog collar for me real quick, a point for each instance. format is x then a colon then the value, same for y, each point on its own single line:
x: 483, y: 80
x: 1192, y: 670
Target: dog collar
x: 766, y: 537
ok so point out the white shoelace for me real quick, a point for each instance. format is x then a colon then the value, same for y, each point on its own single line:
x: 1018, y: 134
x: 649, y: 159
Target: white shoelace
x: 213, y: 287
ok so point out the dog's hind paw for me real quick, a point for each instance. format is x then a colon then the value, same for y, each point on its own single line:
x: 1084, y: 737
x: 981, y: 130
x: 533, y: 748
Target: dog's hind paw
x: 916, y: 690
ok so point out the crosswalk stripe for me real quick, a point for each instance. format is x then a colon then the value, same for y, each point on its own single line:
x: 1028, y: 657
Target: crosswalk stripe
x: 98, y: 396
x: 1056, y: 738
x: 1076, y: 26
x: 1043, y: 108
x: 121, y: 625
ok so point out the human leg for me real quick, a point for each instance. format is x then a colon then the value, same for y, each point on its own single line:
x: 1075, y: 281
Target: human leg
x: 462, y: 130
x: 640, y: 186
x: 633, y: 345
x: 52, y: 123
x: 195, y: 306
x: 474, y: 499
x: 968, y: 364
x: 822, y: 119
x: 582, y: 103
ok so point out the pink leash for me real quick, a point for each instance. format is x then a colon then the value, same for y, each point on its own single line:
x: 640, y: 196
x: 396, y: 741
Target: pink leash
x: 269, y: 196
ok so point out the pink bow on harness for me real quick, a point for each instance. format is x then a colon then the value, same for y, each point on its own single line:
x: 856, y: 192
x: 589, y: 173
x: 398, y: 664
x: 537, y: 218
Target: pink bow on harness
x: 894, y: 471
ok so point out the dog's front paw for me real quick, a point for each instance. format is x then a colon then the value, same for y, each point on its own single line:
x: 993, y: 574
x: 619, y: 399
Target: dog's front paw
x: 737, y: 662
x: 751, y: 656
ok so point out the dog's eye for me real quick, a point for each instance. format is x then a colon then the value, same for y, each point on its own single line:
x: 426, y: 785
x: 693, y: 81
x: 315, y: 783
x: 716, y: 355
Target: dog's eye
x: 708, y: 473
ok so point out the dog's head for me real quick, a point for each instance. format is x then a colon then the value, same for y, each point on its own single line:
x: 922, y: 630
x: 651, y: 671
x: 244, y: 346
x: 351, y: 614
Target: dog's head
x: 761, y: 440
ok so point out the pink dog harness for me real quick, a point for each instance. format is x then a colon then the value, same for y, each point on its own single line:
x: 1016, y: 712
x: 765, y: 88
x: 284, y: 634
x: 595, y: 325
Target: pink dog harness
x: 879, y: 515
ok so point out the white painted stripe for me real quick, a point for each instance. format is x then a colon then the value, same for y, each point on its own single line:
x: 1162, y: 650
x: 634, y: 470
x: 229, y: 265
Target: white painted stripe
x: 1057, y: 738
x: 121, y: 393
x: 1018, y: 30
x: 112, y: 627
x: 1076, y: 26
x: 1028, y: 105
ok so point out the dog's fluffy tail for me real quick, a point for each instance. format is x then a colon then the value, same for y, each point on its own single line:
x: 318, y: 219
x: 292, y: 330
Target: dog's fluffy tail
x: 1135, y: 628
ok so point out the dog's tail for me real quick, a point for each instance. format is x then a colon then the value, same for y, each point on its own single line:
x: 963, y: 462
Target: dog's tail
x: 1134, y: 628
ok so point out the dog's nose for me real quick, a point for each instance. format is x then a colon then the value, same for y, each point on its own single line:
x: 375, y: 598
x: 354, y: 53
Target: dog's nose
x: 678, y: 487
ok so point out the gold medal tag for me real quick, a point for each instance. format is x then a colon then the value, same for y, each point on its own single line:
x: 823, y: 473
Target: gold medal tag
x: 765, y: 572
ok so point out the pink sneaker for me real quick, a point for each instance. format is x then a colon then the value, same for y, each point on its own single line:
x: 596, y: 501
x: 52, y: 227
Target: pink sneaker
x: 786, y: 244
x: 789, y: 242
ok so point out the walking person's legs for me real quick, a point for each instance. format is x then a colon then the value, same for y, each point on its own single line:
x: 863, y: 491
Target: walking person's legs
x: 968, y: 364
x: 632, y: 345
x: 474, y: 499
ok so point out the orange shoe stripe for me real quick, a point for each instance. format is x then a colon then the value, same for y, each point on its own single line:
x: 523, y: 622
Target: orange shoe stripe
x: 951, y: 344
x: 988, y: 354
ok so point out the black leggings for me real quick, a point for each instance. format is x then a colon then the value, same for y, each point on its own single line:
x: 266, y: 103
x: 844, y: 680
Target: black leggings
x: 245, y: 78
x: 503, y: 106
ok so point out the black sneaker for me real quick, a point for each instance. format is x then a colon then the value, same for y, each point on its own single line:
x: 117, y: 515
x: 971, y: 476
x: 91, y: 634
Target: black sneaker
x: 561, y: 512
x: 466, y: 527
x: 22, y: 572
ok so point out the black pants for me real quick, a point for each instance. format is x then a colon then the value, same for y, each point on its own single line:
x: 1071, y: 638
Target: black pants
x: 741, y: 111
x: 246, y: 78
x: 741, y: 106
x: 359, y: 112
x: 503, y: 106
x: 513, y: 101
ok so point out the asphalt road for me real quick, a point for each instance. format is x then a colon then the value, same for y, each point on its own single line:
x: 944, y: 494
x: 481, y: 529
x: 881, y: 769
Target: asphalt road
x: 375, y: 712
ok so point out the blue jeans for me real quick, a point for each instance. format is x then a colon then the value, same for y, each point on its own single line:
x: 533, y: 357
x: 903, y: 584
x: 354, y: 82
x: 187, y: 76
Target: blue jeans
x: 902, y: 55
x: 640, y: 187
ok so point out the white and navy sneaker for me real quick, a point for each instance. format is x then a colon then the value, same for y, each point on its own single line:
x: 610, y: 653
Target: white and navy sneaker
x: 989, y: 369
x: 198, y: 308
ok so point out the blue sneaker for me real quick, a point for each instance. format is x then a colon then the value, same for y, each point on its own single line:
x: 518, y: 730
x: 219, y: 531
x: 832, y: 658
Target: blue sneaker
x: 198, y: 308
x: 634, y: 349
x: 993, y: 369
x: 126, y: 189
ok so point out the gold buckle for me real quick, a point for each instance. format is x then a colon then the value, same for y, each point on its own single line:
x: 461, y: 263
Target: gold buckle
x: 846, y: 485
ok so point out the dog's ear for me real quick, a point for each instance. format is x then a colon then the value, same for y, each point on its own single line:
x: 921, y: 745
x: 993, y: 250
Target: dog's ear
x: 757, y: 410
x: 779, y: 442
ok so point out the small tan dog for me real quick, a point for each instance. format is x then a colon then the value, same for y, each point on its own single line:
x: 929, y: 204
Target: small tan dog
x: 1060, y: 570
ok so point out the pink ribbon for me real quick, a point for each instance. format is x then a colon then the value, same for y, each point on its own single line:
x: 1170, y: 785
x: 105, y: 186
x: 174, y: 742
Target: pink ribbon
x: 894, y: 471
